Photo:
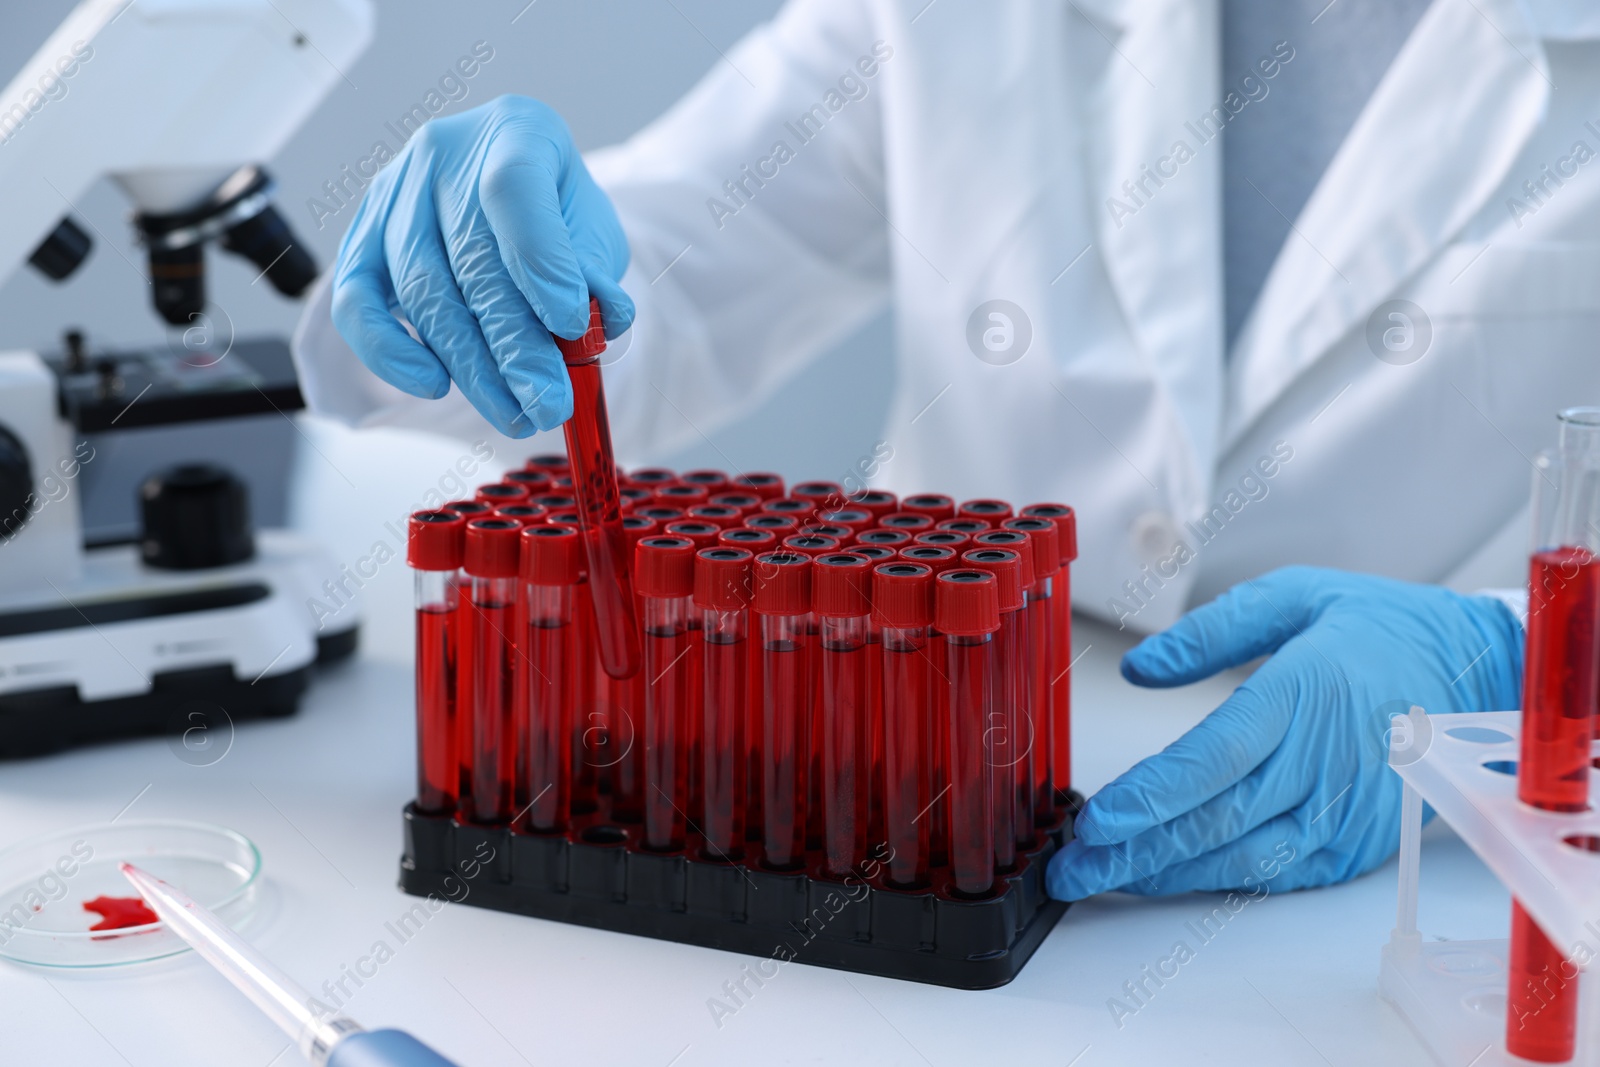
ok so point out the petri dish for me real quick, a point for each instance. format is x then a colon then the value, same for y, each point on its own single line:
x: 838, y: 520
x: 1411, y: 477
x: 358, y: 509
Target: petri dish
x: 45, y: 881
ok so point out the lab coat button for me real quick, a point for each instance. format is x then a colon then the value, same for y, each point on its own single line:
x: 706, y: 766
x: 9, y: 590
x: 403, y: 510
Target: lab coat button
x: 1155, y: 535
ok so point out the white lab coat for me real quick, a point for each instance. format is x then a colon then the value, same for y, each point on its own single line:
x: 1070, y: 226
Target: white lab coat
x: 981, y: 163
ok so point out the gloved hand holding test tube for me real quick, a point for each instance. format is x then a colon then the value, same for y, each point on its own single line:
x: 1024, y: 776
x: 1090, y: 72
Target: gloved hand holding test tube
x: 327, y: 1041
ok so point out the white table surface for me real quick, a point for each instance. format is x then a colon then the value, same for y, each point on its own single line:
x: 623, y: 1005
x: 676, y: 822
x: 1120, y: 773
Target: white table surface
x: 1291, y: 979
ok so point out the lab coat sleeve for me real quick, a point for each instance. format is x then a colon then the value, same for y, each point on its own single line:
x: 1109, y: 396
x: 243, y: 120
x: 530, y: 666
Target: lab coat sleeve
x: 754, y: 212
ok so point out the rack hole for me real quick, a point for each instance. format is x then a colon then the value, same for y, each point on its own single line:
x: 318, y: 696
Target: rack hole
x: 1501, y: 766
x: 1482, y: 735
x: 604, y: 835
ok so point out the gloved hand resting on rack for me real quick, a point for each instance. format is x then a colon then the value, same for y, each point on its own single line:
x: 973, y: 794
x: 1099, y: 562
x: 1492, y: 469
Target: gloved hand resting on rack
x: 488, y: 234
x: 1287, y: 779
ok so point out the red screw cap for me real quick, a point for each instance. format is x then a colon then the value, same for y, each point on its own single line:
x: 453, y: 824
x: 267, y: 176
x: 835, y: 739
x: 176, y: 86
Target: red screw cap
x: 700, y: 534
x: 1017, y: 541
x: 492, y: 548
x: 812, y: 544
x: 498, y: 493
x: 1066, y: 527
x: 636, y: 528
x: 744, y: 503
x: 902, y: 594
x: 536, y: 482
x: 1045, y: 541
x: 857, y: 519
x: 585, y: 349
x: 664, y: 567
x: 526, y: 514
x: 555, y: 501
x: 947, y: 538
x: 763, y: 484
x: 631, y: 496
x: 744, y: 537
x: 651, y: 478
x: 771, y: 520
x: 841, y: 586
x: 818, y: 492
x: 966, y: 603
x: 551, y: 463
x: 1006, y: 566
x: 934, y: 505
x: 682, y: 495
x: 722, y: 578
x: 990, y: 510
x: 782, y: 583
x: 872, y: 553
x: 938, y: 557
x: 910, y: 521
x: 719, y: 515
x: 876, y: 502
x: 966, y: 525
x: 660, y: 513
x: 434, y: 540
x: 551, y: 555
x: 713, y: 481
x: 887, y: 538
x: 469, y: 509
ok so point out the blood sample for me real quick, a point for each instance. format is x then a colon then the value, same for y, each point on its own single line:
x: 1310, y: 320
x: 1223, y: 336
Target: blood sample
x: 468, y: 510
x: 522, y: 514
x: 1005, y: 736
x: 988, y: 510
x: 910, y: 521
x: 720, y: 515
x: 766, y: 486
x: 841, y: 599
x: 722, y: 592
x: 892, y: 539
x: 768, y: 520
x: 710, y: 480
x: 947, y: 538
x: 492, y: 562
x: 743, y: 502
x: 902, y: 602
x: 702, y: 534
x: 782, y: 600
x: 617, y: 744
x: 665, y: 571
x: 966, y: 525
x: 811, y: 544
x: 434, y: 550
x: 594, y: 483
x: 536, y: 482
x: 682, y: 495
x: 967, y: 613
x: 651, y: 478
x: 744, y: 537
x: 550, y: 665
x: 661, y: 513
x: 876, y: 502
x: 1061, y: 683
x: 119, y: 913
x: 934, y: 505
x: 1042, y: 664
x: 551, y: 464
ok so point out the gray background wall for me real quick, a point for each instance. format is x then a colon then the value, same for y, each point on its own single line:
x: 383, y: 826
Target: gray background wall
x: 609, y: 66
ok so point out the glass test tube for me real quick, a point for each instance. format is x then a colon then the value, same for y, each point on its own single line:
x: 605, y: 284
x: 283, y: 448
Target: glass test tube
x: 967, y: 612
x: 841, y: 600
x: 1042, y: 666
x: 594, y: 483
x: 783, y: 602
x: 902, y: 600
x: 617, y: 745
x: 1561, y: 686
x: 1061, y: 684
x: 468, y: 510
x: 551, y: 664
x: 434, y: 551
x: 1015, y: 652
x: 1006, y: 727
x: 722, y: 592
x: 664, y: 568
x: 492, y: 552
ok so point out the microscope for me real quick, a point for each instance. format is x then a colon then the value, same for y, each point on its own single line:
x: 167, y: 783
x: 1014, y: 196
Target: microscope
x: 202, y: 620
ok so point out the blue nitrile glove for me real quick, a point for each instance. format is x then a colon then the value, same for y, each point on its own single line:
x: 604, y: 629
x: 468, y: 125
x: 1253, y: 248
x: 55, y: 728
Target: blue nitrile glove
x: 488, y: 234
x: 1285, y: 783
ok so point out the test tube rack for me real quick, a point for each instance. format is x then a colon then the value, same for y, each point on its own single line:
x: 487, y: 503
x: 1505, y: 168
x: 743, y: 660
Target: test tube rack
x: 591, y: 876
x: 1453, y: 993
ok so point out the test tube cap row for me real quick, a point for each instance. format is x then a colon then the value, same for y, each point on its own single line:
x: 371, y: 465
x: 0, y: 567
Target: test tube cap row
x: 902, y: 594
x: 434, y: 540
x: 722, y: 580
x: 966, y: 603
x: 551, y: 555
x: 841, y: 586
x: 1066, y: 521
x: 1043, y: 538
x: 493, y: 548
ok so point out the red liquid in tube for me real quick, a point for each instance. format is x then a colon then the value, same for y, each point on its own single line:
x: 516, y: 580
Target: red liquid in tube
x: 722, y: 593
x: 594, y: 482
x: 783, y: 602
x: 841, y: 600
x: 434, y: 549
x: 492, y: 551
x: 551, y: 667
x: 1061, y: 682
x: 665, y: 571
x: 967, y: 612
x: 903, y: 602
x: 1040, y: 801
x: 1006, y: 728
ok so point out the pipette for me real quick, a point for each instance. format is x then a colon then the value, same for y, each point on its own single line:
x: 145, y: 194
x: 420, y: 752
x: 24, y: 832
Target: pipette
x: 594, y: 483
x: 325, y: 1040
